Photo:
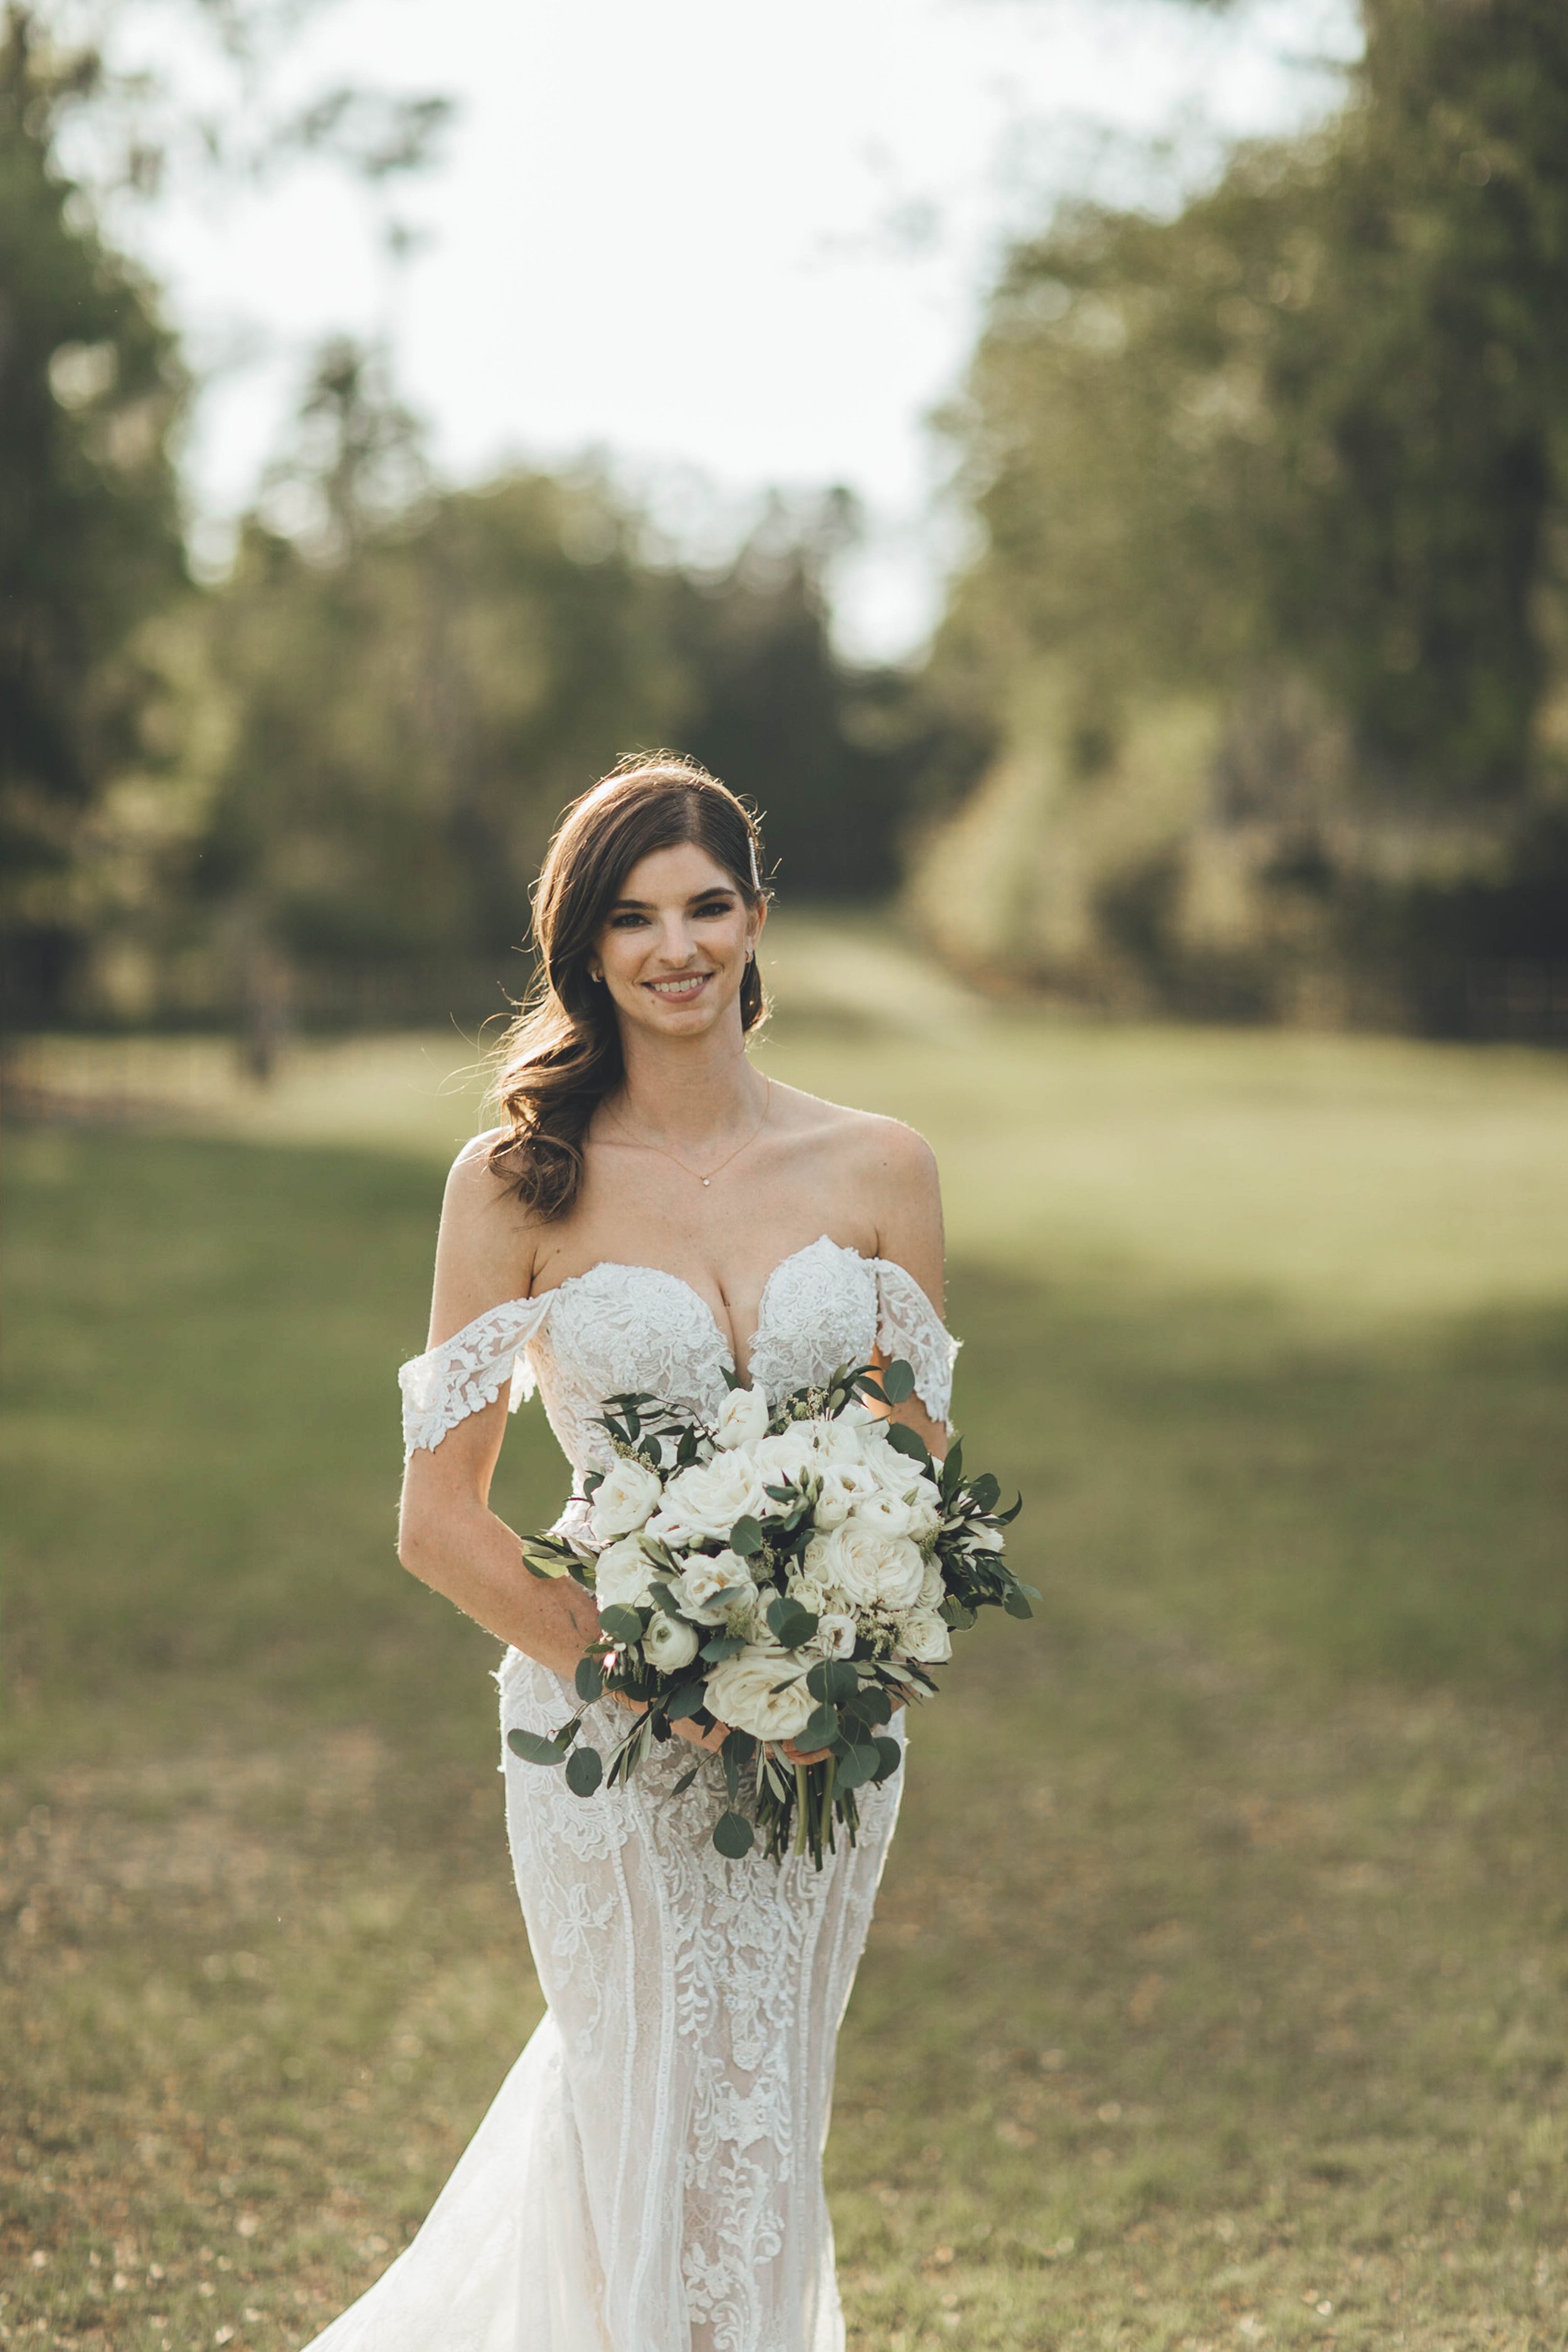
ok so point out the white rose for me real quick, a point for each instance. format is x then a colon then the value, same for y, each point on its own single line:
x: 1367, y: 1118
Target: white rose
x: 621, y: 1577
x: 811, y: 1590
x: 741, y: 1692
x: 742, y: 1418
x: 835, y: 1635
x: 669, y: 1645
x: 789, y: 1455
x: 924, y: 1502
x: 845, y: 1487
x: 839, y: 1440
x: 932, y: 1586
x: 888, y: 1513
x: 704, y: 1503
x: 871, y: 1569
x: 702, y: 1579
x: 924, y: 1638
x: 622, y: 1502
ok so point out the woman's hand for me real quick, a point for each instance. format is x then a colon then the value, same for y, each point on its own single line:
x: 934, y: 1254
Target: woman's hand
x: 686, y: 1729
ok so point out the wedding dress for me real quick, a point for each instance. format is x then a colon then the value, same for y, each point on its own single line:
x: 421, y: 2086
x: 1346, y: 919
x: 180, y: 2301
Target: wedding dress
x: 649, y: 2178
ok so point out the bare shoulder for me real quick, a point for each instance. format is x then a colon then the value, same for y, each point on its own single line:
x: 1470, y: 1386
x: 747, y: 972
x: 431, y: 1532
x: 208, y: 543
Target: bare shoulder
x: 485, y: 1254
x: 880, y: 1162
x: 868, y: 1140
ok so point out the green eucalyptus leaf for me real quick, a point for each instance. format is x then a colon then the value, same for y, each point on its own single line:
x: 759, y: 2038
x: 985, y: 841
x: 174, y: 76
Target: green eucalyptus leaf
x: 584, y: 1770
x: 746, y: 1536
x: 589, y: 1680
x: 622, y: 1624
x: 1016, y: 1603
x: 533, y: 1747
x: 688, y: 1700
x: 820, y: 1726
x: 890, y: 1756
x: 860, y: 1763
x: 986, y: 1491
x: 898, y: 1382
x: 734, y: 1836
x: 905, y: 1440
x: 790, y: 1623
x: 723, y: 1646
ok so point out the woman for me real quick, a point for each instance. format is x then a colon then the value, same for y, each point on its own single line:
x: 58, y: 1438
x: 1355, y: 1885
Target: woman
x: 653, y: 1213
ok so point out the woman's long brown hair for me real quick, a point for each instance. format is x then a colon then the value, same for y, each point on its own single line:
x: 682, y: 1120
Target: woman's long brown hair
x: 562, y: 1056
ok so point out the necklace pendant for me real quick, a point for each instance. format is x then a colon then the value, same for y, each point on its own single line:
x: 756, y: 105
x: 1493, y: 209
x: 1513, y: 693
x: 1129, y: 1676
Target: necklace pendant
x: 706, y: 1181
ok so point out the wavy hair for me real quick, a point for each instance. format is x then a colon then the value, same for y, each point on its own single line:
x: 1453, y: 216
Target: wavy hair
x: 562, y: 1056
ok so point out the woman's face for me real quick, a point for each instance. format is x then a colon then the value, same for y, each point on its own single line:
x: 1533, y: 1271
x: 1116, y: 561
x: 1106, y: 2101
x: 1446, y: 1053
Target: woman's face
x: 673, y: 948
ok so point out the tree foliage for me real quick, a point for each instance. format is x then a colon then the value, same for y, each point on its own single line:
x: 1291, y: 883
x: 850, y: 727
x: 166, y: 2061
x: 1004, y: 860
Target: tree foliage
x: 1299, y: 451
x: 90, y: 393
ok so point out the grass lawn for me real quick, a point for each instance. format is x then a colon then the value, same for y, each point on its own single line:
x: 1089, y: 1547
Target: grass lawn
x: 1217, y: 1992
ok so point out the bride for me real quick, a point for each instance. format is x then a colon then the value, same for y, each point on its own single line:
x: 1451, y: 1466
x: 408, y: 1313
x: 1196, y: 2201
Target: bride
x: 653, y: 1213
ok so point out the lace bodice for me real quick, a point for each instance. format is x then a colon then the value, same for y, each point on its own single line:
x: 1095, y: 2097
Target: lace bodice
x: 635, y: 1327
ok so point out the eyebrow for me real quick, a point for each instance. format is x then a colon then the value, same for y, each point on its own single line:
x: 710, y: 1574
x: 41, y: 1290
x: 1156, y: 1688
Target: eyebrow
x: 717, y: 890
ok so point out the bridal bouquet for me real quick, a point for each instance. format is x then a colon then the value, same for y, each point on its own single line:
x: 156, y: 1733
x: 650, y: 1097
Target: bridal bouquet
x: 791, y: 1573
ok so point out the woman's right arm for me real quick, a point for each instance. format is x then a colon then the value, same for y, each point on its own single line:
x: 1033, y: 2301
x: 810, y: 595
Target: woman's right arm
x: 447, y: 1534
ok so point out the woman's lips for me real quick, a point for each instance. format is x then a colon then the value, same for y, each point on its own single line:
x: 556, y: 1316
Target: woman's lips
x: 680, y: 988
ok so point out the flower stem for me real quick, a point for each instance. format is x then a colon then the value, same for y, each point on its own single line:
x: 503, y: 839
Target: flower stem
x: 801, y: 1801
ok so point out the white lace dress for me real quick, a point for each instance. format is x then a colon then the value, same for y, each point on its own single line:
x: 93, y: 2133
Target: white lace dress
x: 649, y: 2178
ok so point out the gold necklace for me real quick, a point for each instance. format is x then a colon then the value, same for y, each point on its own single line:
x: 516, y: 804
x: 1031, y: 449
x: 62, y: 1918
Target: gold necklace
x: 705, y: 1180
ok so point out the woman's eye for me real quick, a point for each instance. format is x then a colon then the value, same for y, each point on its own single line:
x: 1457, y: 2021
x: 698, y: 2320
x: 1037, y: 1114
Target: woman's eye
x: 715, y: 907
x: 623, y: 922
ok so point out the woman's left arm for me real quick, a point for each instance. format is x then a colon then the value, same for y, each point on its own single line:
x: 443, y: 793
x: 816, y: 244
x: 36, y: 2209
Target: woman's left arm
x: 908, y: 1207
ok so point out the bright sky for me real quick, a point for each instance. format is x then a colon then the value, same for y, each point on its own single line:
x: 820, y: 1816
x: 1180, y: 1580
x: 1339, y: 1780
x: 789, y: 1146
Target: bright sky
x: 729, y: 242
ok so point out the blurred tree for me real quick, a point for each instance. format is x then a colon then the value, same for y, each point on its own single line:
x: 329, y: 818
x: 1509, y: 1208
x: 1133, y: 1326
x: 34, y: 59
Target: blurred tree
x: 834, y: 756
x: 91, y: 392
x: 1299, y: 450
x: 415, y: 682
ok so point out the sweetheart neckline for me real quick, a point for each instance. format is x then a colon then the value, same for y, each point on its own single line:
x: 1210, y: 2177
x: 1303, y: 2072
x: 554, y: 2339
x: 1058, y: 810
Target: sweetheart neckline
x: 635, y: 1265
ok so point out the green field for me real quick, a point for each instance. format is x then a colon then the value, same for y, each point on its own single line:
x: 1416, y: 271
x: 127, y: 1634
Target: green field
x: 1217, y: 1992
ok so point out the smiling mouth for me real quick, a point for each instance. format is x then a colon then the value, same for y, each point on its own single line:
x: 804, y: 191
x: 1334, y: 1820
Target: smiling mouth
x: 679, y: 990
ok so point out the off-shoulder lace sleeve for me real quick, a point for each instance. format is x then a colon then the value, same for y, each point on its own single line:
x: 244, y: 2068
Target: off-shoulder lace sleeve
x: 907, y: 1325
x: 468, y: 1371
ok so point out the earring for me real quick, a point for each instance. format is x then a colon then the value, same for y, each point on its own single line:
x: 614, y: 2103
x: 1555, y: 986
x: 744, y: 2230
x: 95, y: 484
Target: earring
x: 749, y: 953
x: 596, y: 977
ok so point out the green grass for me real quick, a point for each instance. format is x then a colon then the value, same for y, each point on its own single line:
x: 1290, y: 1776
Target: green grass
x: 1219, y: 1970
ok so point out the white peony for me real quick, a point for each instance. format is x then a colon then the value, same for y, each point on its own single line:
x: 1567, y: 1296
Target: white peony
x: 622, y: 1502
x: 742, y: 1691
x: 669, y: 1645
x: 742, y: 1418
x: 702, y: 1579
x: 872, y: 1569
x: 924, y: 1638
x: 621, y: 1577
x: 703, y: 1504
x: 846, y: 1485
